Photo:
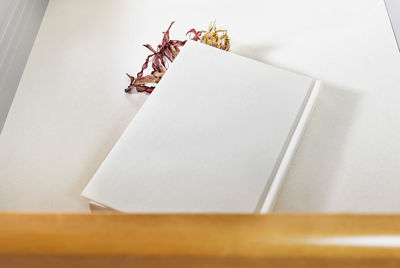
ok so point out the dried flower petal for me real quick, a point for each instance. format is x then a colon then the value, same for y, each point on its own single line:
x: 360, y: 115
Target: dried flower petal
x: 168, y: 50
x: 144, y: 66
x: 216, y: 37
x: 144, y: 89
x: 196, y: 34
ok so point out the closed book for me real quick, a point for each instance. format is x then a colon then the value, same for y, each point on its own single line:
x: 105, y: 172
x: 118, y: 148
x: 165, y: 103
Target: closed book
x: 215, y: 136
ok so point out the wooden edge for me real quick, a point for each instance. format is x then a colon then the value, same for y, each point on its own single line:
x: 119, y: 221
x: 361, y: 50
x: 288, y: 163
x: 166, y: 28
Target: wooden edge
x: 273, y: 240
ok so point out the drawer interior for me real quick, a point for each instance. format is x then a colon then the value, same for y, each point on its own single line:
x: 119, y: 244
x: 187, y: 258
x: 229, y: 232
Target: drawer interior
x: 69, y: 107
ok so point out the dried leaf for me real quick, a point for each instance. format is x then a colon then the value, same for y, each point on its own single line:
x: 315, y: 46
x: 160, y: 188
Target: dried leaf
x: 168, y: 50
x: 196, y: 34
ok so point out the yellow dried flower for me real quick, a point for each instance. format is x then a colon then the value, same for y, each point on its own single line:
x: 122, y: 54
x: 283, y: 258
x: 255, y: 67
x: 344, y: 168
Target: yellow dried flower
x: 216, y: 37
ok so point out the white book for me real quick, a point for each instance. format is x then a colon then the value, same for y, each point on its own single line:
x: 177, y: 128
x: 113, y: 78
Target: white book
x: 393, y: 8
x: 215, y: 136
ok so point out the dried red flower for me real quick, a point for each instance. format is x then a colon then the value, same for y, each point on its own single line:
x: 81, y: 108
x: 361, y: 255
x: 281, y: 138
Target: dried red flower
x: 167, y: 51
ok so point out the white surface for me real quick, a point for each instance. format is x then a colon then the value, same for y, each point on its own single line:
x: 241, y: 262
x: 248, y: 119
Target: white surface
x: 348, y: 159
x: 204, y: 147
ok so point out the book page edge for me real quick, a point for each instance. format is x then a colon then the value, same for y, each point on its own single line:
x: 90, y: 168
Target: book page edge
x: 277, y: 181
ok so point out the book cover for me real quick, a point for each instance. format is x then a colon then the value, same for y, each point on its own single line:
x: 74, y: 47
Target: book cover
x: 215, y: 136
x: 393, y: 8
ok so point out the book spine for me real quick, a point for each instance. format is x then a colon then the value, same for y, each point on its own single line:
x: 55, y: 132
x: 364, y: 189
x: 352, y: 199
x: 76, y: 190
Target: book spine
x: 277, y: 181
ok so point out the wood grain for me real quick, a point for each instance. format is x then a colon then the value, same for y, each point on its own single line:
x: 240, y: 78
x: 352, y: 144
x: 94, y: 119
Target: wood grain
x: 123, y: 240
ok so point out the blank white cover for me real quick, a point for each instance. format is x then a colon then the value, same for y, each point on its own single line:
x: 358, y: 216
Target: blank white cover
x: 207, y: 140
x: 393, y: 8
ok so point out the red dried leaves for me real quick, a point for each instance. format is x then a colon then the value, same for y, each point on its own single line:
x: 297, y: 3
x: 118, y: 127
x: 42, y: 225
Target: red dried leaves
x: 168, y: 50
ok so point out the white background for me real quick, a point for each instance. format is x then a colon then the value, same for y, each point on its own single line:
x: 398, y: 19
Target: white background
x: 70, y: 108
